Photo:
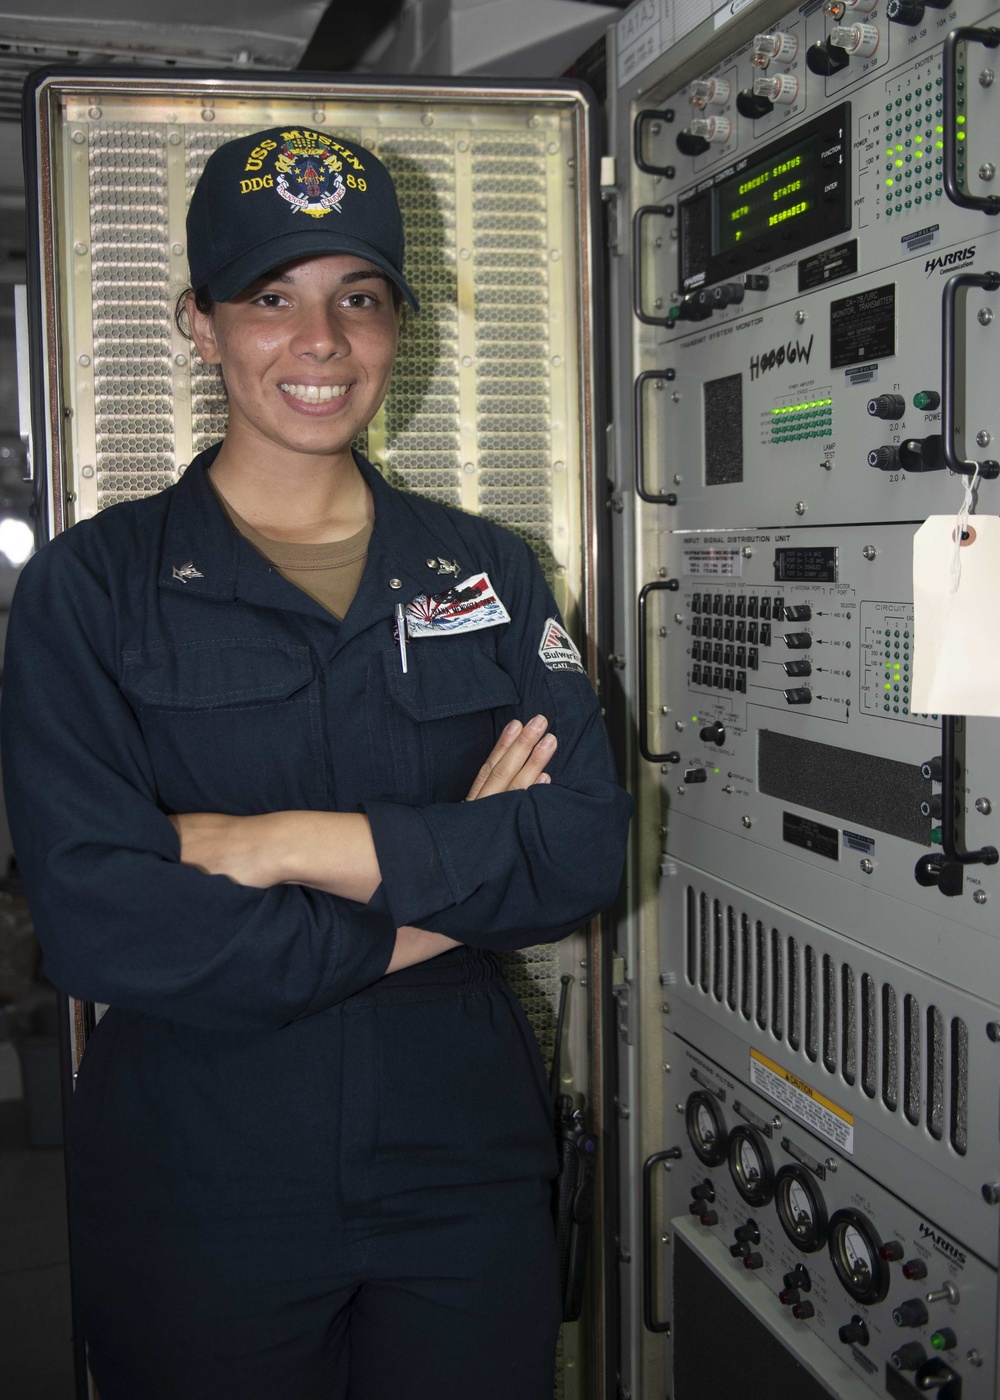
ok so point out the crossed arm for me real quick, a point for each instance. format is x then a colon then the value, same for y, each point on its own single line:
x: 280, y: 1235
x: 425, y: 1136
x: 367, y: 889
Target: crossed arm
x: 334, y: 851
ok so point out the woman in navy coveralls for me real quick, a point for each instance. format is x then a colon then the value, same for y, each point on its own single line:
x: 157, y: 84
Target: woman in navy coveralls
x: 310, y: 1146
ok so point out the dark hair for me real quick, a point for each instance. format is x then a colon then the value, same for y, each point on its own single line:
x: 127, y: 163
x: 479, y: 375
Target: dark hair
x: 205, y: 303
x: 203, y: 300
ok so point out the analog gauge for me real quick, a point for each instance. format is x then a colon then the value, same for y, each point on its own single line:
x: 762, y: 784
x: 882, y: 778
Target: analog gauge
x: 706, y: 1128
x: 854, y: 1249
x: 750, y: 1165
x: 800, y: 1209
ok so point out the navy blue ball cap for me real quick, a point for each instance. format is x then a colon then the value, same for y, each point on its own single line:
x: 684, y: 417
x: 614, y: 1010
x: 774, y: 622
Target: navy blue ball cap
x: 268, y: 199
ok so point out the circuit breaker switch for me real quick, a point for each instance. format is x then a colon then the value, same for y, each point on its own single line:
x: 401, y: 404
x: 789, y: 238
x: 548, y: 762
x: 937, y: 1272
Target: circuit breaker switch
x: 801, y: 666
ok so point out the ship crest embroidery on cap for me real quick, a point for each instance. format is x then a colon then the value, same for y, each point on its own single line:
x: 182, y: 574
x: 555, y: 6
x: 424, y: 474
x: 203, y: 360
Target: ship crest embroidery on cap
x: 309, y: 168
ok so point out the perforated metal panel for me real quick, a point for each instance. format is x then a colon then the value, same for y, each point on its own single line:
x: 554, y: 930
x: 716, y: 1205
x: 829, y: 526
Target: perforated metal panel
x: 486, y: 410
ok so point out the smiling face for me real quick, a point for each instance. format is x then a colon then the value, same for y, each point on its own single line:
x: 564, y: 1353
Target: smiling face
x: 306, y: 353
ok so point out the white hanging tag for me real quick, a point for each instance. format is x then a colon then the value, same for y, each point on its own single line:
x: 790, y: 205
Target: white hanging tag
x: 956, y: 663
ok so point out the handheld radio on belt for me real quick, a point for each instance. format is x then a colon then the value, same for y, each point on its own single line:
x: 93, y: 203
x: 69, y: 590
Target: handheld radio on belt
x: 573, y: 1190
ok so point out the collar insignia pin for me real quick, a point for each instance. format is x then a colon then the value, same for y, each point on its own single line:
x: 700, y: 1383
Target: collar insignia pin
x: 186, y: 572
x: 444, y: 566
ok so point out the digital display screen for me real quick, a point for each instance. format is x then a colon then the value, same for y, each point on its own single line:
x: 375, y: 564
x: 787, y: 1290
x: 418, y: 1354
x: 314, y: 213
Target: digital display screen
x: 765, y: 196
x: 780, y: 199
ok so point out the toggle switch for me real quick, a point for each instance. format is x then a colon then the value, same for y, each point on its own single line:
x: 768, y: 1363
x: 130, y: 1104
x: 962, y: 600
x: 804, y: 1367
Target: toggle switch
x: 796, y: 612
x: 799, y: 667
x: 800, y: 695
x: 798, y: 641
x: 695, y: 775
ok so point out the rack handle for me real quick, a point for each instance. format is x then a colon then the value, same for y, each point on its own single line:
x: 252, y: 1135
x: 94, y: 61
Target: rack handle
x: 639, y: 401
x: 989, y: 281
x: 990, y: 39
x: 945, y: 870
x: 647, y: 211
x: 651, y: 1321
x: 638, y: 127
x: 669, y: 585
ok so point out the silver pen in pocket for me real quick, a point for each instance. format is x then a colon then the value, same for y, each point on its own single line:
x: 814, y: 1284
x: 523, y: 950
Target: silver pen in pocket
x: 401, y: 635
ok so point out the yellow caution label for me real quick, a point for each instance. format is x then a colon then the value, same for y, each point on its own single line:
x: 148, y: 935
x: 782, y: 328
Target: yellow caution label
x: 826, y: 1118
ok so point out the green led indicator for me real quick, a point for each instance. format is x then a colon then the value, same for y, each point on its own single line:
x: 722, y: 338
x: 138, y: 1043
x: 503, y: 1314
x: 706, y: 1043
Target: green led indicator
x: 694, y: 719
x: 715, y: 770
x: 960, y: 121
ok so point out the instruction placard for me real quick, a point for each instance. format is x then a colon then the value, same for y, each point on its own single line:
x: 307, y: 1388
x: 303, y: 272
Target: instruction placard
x: 822, y: 1115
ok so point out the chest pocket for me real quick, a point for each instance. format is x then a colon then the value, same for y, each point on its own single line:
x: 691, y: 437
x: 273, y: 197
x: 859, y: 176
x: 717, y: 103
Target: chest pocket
x: 231, y: 725
x: 444, y: 716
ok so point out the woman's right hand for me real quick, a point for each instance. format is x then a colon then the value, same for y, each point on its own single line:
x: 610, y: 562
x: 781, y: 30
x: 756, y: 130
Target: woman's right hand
x: 518, y: 759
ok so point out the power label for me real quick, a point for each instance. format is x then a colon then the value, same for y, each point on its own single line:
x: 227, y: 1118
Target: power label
x: 826, y: 1118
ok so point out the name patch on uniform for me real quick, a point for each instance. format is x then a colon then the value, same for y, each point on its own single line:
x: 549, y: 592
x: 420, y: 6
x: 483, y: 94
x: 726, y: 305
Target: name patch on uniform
x: 558, y: 650
x: 467, y: 607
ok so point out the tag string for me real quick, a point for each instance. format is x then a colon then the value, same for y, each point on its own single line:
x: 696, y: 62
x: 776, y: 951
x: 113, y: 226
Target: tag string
x: 969, y: 484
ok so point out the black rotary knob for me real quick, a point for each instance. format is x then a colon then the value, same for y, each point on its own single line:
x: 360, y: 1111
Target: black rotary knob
x: 909, y: 1356
x: 912, y: 1313
x: 752, y: 104
x: 714, y: 733
x: 690, y: 145
x: 855, y: 1331
x: 826, y: 59
x: 904, y: 11
x: 886, y: 459
x: 888, y: 406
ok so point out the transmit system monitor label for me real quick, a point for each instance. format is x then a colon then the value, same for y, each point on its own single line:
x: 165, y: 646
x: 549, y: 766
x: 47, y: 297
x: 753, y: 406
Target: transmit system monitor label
x: 826, y: 1118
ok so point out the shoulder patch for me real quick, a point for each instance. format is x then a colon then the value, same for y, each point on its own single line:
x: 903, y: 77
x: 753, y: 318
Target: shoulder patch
x: 557, y: 648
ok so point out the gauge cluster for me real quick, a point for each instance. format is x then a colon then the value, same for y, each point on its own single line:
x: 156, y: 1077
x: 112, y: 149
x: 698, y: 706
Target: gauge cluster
x: 908, y: 1309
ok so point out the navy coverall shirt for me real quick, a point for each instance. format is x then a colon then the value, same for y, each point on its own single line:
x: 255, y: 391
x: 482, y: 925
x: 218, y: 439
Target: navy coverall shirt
x: 158, y: 663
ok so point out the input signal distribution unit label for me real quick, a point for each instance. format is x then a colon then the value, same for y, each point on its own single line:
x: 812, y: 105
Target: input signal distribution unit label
x: 826, y: 1118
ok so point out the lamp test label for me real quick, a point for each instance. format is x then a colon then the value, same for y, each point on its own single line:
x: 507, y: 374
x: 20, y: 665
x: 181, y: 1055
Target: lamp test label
x: 821, y: 1114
